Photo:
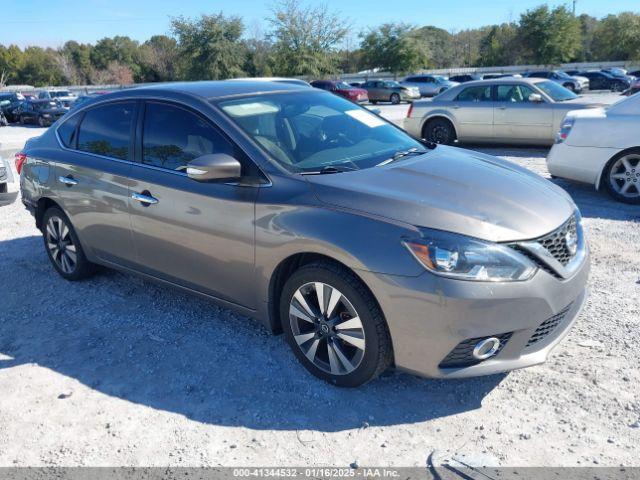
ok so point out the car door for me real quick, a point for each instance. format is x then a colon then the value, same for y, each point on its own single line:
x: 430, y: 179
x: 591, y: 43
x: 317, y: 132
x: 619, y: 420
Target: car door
x: 195, y: 234
x: 517, y: 119
x: 92, y: 178
x: 473, y: 113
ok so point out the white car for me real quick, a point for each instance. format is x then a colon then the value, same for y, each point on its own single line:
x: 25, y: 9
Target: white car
x: 601, y: 146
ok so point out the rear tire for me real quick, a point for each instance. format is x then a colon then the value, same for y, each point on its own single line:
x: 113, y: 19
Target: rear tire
x: 342, y: 353
x: 621, y: 177
x: 63, y: 247
x: 41, y: 122
x: 439, y: 130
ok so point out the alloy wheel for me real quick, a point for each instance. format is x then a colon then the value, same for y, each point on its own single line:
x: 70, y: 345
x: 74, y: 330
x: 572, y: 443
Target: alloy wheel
x: 327, y: 328
x: 60, y: 244
x: 624, y: 176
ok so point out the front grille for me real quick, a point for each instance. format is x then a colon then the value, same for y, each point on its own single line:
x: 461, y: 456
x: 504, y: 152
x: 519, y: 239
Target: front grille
x: 555, y: 244
x: 462, y: 355
x: 555, y: 241
x: 548, y: 326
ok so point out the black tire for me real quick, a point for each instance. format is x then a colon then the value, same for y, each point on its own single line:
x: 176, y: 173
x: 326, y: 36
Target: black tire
x: 41, y: 122
x: 607, y: 180
x: 374, y: 102
x: 21, y: 120
x: 378, y: 351
x: 83, y: 268
x: 617, y: 87
x: 570, y: 86
x: 439, y: 130
x: 394, y: 98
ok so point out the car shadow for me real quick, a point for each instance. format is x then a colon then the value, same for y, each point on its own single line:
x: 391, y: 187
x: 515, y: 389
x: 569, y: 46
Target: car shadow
x: 156, y: 347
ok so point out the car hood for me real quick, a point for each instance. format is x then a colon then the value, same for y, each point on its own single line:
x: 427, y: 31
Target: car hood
x: 454, y: 190
x: 580, y: 102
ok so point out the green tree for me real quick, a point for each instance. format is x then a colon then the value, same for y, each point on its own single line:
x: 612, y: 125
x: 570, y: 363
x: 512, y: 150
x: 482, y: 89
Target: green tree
x: 40, y: 67
x: 158, y: 59
x: 305, y: 39
x: 11, y: 61
x: 120, y: 49
x: 210, y: 47
x: 549, y: 36
x: 617, y: 37
x: 394, y: 47
x: 79, y: 54
x: 440, y: 45
x: 499, y: 45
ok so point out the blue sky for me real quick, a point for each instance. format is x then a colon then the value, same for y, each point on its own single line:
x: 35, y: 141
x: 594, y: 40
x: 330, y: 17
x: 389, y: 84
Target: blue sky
x: 49, y: 23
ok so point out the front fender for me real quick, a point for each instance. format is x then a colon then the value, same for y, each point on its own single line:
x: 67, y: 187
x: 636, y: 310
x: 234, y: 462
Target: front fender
x: 284, y: 227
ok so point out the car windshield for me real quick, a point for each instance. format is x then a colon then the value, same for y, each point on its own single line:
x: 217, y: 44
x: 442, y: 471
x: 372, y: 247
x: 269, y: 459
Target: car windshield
x: 343, y: 85
x: 391, y: 84
x: 561, y: 74
x: 439, y: 78
x: 60, y: 93
x: 309, y: 132
x: 557, y: 92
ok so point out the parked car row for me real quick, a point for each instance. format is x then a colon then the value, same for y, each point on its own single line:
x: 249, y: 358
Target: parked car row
x: 41, y: 108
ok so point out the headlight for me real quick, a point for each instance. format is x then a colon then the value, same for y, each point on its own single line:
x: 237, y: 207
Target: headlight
x: 465, y: 258
x: 46, y: 115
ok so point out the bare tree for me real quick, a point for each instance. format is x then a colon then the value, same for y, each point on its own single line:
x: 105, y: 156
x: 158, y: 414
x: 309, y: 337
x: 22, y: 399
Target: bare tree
x: 306, y: 38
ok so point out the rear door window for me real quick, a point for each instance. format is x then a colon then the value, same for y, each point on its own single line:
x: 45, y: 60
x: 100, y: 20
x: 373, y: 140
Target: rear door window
x: 475, y: 94
x: 106, y: 130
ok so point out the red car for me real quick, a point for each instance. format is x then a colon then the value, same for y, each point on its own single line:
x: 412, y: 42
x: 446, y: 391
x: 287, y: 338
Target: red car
x: 634, y: 88
x: 355, y: 94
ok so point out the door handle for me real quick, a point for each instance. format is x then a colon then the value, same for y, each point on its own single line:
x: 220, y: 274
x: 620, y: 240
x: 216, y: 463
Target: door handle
x: 145, y: 198
x: 68, y: 180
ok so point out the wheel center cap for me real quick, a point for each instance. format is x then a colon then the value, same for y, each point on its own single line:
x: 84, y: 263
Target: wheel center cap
x: 324, y: 328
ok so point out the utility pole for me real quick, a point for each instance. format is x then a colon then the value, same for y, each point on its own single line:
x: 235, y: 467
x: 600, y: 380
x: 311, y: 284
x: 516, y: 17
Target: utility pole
x: 574, y: 7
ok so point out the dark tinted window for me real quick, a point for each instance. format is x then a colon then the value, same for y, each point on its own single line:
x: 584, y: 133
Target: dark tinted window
x: 172, y: 137
x: 106, y: 130
x: 475, y: 94
x: 67, y: 131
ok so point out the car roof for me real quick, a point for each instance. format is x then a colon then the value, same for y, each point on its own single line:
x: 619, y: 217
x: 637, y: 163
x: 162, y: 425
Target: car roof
x: 507, y: 80
x: 223, y: 88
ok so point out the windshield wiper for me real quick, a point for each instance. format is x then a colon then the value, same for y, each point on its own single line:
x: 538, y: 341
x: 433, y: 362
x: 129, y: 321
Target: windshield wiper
x: 401, y: 154
x: 329, y: 169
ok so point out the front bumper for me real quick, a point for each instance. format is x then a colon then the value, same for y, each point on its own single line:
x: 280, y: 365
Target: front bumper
x: 429, y: 316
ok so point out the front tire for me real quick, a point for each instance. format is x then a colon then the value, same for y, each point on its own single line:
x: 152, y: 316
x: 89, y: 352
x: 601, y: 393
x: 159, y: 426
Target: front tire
x: 334, y: 325
x: 622, y: 177
x: 439, y: 130
x: 63, y: 247
x: 570, y: 86
x: 394, y: 99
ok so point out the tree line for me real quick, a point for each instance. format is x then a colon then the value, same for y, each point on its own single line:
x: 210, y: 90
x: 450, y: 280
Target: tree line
x: 303, y: 40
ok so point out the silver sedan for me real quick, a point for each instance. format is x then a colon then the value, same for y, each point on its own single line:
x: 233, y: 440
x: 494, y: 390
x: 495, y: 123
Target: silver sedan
x: 506, y: 110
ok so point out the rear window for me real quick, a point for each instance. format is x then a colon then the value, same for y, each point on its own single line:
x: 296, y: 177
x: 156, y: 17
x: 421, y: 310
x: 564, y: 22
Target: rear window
x: 106, y: 130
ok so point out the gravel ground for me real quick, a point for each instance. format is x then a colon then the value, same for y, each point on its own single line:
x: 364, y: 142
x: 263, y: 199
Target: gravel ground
x: 117, y: 371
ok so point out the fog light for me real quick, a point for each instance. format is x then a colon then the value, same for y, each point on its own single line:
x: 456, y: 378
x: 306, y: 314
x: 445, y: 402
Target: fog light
x: 486, y: 348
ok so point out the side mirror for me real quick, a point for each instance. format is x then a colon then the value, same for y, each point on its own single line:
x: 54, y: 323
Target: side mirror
x: 535, y: 98
x: 214, y: 166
